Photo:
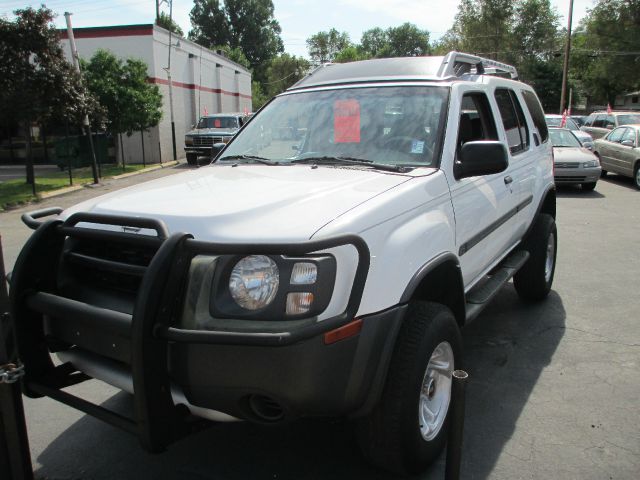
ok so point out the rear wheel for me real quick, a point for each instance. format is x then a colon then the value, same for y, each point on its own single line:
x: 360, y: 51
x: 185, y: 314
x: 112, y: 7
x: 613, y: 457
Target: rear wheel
x: 603, y: 173
x: 636, y: 175
x: 533, y: 281
x: 408, y: 428
x: 587, y: 187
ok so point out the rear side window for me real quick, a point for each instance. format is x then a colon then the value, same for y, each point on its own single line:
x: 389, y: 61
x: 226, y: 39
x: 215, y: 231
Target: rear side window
x: 609, y: 122
x: 537, y: 114
x: 599, y: 121
x: 589, y: 121
x: 513, y: 120
x: 616, y: 135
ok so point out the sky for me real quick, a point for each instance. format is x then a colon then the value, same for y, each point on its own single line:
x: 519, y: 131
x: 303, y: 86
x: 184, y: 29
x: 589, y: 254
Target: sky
x: 299, y: 19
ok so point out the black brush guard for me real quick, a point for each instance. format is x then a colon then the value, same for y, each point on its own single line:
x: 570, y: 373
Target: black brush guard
x: 34, y: 295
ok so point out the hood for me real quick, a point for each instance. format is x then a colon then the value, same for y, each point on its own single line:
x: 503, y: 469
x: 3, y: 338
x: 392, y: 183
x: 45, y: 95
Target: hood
x: 572, y: 154
x: 247, y: 203
x: 582, y: 136
x: 212, y: 131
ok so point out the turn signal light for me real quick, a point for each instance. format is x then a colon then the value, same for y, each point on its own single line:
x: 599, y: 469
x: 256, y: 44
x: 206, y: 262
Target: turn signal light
x: 349, y: 330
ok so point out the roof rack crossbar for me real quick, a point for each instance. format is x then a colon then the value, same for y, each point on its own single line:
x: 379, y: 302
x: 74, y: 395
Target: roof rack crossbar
x: 456, y: 64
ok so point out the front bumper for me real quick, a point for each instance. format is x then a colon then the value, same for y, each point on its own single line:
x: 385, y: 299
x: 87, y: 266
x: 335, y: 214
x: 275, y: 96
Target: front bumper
x: 132, y: 322
x: 569, y: 176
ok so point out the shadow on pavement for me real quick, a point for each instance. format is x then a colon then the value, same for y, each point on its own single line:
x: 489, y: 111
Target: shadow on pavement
x: 507, y: 348
x: 575, y: 191
x: 619, y: 180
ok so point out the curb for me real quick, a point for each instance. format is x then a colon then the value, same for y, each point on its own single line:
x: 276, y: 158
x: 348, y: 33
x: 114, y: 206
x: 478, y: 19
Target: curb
x: 59, y: 191
x: 145, y: 170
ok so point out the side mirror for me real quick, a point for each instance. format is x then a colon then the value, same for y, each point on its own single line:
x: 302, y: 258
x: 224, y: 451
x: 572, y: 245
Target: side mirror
x: 216, y: 148
x: 627, y: 143
x: 484, y: 157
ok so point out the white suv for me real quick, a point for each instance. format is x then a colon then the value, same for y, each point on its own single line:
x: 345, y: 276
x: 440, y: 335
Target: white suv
x: 326, y: 272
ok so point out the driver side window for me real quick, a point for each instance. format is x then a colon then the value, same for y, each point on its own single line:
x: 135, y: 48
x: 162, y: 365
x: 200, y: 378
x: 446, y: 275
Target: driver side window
x: 476, y: 120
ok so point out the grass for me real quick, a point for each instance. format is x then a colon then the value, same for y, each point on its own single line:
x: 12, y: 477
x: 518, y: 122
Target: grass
x: 17, y: 192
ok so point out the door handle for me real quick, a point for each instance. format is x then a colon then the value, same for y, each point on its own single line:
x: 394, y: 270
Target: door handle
x: 508, y: 180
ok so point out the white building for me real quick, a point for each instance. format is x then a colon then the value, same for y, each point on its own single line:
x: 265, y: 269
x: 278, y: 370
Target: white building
x: 202, y: 81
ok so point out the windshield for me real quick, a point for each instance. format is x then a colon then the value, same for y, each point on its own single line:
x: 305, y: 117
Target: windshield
x: 556, y: 121
x: 382, y: 125
x: 218, y: 122
x: 628, y: 119
x: 563, y: 138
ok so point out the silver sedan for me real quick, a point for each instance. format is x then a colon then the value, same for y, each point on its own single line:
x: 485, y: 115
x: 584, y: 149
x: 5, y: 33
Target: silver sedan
x: 573, y: 163
x: 619, y: 152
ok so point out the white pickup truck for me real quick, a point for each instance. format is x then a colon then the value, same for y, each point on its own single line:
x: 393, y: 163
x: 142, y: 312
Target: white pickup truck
x: 323, y: 273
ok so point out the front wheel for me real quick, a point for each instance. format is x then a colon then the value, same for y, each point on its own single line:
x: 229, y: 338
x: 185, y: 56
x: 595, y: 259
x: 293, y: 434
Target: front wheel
x: 533, y: 281
x: 587, y: 187
x: 192, y: 158
x: 408, y: 428
x: 636, y: 175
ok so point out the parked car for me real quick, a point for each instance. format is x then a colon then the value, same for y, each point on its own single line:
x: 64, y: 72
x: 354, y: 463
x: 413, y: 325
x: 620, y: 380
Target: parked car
x: 211, y: 129
x: 619, y: 152
x: 574, y: 164
x: 579, y: 119
x: 598, y: 124
x: 556, y: 121
x: 325, y: 273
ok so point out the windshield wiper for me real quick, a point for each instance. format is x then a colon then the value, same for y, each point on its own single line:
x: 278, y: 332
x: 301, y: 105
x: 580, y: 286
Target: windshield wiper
x: 328, y: 160
x: 255, y: 158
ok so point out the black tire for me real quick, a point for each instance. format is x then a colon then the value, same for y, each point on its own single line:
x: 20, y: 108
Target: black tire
x: 390, y: 437
x: 603, y: 173
x: 636, y: 175
x: 533, y: 281
x: 192, y: 159
x: 587, y: 187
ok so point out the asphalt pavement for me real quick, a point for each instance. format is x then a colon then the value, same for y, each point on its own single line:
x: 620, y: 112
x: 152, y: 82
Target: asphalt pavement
x: 553, y: 389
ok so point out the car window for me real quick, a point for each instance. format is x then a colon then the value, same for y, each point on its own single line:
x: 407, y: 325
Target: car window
x: 629, y: 134
x: 513, y: 120
x: 629, y: 119
x: 609, y: 121
x: 571, y: 124
x: 537, y: 114
x: 589, y: 121
x: 616, y: 135
x: 561, y: 137
x: 476, y: 119
x: 218, y: 122
x: 599, y: 121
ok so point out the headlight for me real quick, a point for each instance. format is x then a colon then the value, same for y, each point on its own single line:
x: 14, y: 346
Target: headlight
x: 254, y: 282
x: 188, y: 140
x: 590, y: 164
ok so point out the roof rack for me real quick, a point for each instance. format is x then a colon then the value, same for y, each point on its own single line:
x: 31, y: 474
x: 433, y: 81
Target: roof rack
x: 456, y: 64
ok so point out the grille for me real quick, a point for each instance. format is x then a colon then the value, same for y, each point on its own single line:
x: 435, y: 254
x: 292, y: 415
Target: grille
x: 569, y: 179
x: 206, y: 141
x: 567, y: 164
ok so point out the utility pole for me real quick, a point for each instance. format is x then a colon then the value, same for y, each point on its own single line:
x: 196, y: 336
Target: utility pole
x: 565, y: 68
x: 157, y: 11
x: 173, y: 125
x: 85, y: 121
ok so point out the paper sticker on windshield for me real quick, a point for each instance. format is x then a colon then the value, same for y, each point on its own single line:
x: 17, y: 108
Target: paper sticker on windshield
x: 417, y: 146
x: 216, y: 123
x: 346, y: 121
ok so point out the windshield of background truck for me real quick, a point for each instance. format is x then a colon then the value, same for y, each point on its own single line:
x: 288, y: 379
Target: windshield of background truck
x: 563, y: 138
x: 218, y: 122
x: 385, y: 125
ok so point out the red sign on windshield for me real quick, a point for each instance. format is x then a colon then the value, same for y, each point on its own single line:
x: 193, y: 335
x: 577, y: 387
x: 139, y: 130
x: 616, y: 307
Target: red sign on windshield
x: 216, y: 123
x: 346, y: 121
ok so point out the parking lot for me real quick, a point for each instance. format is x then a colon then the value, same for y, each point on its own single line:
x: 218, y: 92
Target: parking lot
x: 553, y: 394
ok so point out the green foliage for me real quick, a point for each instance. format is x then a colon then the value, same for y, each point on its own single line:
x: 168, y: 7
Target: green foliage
x: 248, y: 25
x: 258, y: 97
x: 37, y: 83
x: 605, y: 55
x: 324, y: 46
x: 168, y: 23
x: 407, y: 40
x: 130, y: 101
x: 234, y: 54
x: 352, y: 53
x: 284, y: 71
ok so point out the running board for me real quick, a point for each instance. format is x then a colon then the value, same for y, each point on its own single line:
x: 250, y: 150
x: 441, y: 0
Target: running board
x: 480, y: 295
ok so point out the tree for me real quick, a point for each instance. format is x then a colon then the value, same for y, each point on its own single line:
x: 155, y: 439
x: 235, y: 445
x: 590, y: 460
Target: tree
x: 324, y: 46
x: 234, y: 54
x: 248, y: 25
x: 37, y: 83
x: 130, y: 101
x: 168, y: 23
x: 352, y: 53
x: 374, y: 41
x: 605, y: 50
x: 284, y: 71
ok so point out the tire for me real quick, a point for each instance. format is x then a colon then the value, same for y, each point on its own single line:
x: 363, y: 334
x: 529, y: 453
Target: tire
x: 533, y: 281
x: 603, y: 173
x: 636, y: 175
x: 587, y: 187
x: 192, y: 159
x: 392, y: 436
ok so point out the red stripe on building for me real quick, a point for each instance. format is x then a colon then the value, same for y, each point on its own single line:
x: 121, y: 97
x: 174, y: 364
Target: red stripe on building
x: 192, y: 86
x: 102, y: 32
